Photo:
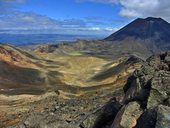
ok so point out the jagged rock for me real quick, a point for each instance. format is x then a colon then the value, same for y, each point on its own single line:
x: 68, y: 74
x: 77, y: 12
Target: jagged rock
x: 102, y: 117
x: 127, y: 116
x: 167, y: 57
x: 160, y: 89
x: 146, y: 102
x: 147, y: 119
x: 150, y: 87
x: 108, y: 113
x: 133, y: 91
x: 90, y: 120
x: 150, y: 84
x: 163, y: 117
x: 138, y: 85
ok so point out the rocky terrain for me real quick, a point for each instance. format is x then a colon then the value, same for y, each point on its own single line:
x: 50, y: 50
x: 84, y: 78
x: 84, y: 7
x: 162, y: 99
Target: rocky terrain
x: 109, y: 83
x: 143, y: 102
x: 146, y: 99
x: 55, y: 87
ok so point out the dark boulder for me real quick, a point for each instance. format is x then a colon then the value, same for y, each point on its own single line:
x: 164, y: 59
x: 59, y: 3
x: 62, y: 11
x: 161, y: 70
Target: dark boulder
x: 146, y: 103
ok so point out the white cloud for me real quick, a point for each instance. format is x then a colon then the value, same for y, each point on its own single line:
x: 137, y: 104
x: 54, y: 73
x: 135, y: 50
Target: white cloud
x: 25, y: 22
x: 12, y: 19
x: 140, y: 8
x: 28, y: 20
x: 98, y: 29
x: 145, y: 8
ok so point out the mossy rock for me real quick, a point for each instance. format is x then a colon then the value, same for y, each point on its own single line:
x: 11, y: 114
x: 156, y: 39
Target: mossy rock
x: 155, y: 98
x: 90, y: 120
x: 163, y: 117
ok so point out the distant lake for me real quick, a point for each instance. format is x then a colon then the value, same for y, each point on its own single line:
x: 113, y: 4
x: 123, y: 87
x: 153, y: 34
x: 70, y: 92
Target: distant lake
x: 31, y: 39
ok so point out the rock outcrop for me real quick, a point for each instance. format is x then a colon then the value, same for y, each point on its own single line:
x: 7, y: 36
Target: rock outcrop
x: 102, y: 116
x: 146, y: 102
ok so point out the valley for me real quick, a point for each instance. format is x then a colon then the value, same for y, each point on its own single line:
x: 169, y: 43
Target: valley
x: 47, y: 79
x: 87, y: 83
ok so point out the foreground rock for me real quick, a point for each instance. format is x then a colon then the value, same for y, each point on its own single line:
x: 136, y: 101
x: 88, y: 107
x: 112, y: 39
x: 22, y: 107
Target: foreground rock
x: 146, y: 102
x: 127, y: 116
x: 102, y: 116
x: 163, y: 117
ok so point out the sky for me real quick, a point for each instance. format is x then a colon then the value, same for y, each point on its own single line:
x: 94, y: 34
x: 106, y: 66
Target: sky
x: 84, y: 17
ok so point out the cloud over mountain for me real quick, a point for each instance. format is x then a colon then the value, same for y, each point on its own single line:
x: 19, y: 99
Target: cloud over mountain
x: 140, y: 8
x: 145, y: 8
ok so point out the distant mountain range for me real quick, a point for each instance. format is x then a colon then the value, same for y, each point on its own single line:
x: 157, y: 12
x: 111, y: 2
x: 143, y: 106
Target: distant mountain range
x: 31, y: 39
x: 142, y: 38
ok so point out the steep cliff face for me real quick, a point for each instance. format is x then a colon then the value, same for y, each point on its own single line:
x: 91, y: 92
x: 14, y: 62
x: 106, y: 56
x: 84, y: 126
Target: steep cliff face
x: 146, y: 102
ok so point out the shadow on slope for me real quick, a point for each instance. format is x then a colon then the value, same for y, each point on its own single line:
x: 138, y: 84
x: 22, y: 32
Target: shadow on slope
x: 13, y: 79
x: 116, y: 70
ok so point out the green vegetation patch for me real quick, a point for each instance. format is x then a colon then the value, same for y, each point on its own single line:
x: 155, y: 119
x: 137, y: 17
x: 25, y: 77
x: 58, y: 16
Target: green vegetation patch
x: 76, y: 53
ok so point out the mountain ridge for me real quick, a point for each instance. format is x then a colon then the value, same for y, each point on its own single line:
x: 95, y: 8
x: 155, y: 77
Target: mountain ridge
x: 137, y: 28
x: 152, y: 33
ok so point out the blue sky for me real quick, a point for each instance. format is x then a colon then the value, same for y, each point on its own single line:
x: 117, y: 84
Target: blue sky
x: 101, y: 17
